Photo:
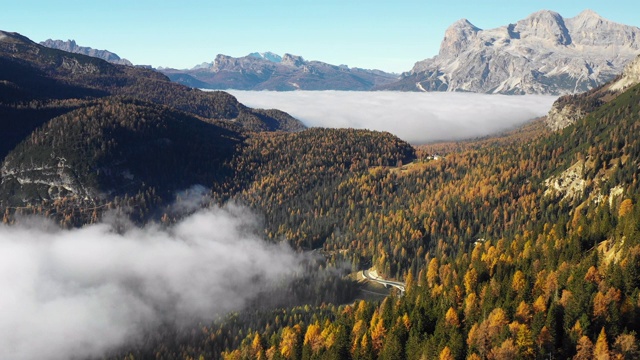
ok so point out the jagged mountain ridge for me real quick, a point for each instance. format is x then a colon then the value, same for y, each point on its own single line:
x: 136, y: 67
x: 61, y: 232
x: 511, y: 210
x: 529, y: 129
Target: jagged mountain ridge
x: 268, y: 71
x: 71, y: 46
x: 541, y: 54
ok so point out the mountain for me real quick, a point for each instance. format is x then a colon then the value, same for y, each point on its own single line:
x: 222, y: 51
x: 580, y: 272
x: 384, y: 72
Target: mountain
x: 71, y: 46
x: 541, y: 54
x: 267, y: 56
x: 570, y: 108
x: 268, y: 71
x: 40, y: 73
x: 78, y: 132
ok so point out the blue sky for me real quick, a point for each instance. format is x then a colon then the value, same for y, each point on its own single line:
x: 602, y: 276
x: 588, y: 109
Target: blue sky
x: 387, y: 35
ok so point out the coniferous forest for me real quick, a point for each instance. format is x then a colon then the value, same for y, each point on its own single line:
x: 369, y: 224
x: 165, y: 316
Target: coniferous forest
x: 525, y: 245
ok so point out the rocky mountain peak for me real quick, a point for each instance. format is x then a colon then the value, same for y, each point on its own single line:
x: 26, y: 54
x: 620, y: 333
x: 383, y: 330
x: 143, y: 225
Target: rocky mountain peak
x: 545, y: 25
x: 589, y: 15
x: 292, y: 60
x: 543, y: 53
x: 457, y: 37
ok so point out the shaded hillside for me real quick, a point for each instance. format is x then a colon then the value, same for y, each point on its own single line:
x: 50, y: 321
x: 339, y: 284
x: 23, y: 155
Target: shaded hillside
x: 31, y: 72
x: 113, y: 148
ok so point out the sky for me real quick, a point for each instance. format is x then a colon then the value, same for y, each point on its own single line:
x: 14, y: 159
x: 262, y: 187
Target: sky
x: 372, y: 34
x: 416, y: 117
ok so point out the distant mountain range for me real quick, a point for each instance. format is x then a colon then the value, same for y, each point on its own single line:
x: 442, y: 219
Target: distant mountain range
x: 269, y: 71
x: 72, y: 47
x: 542, y: 54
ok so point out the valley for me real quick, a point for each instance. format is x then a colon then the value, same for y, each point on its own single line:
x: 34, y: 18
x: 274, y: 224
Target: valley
x: 145, y: 219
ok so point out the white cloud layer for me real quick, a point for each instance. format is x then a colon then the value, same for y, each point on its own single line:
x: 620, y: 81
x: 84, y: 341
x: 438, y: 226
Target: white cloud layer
x: 415, y: 117
x: 78, y: 293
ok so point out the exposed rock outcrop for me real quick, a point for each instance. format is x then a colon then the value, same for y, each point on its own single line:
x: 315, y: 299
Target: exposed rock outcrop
x: 564, y: 113
x: 542, y: 54
x: 71, y: 46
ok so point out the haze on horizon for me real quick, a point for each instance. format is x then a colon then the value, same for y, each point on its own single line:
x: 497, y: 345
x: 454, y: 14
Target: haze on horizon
x: 389, y: 36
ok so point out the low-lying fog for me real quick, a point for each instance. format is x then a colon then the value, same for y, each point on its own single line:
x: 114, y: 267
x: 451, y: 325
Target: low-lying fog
x: 415, y: 117
x: 67, y: 294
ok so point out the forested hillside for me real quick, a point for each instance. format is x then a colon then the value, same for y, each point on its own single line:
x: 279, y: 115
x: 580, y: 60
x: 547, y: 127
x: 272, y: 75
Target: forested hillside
x: 500, y: 260
x: 38, y: 83
x: 79, y: 135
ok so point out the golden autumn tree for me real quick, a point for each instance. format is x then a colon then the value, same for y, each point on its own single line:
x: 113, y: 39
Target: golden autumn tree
x: 257, y: 351
x: 445, y: 354
x: 312, y: 337
x: 378, y: 334
x: 519, y: 282
x: 451, y: 318
x: 289, y: 342
x: 470, y: 280
x: 601, y: 349
x: 584, y: 349
x: 432, y: 272
x: 523, y: 312
x: 626, y: 206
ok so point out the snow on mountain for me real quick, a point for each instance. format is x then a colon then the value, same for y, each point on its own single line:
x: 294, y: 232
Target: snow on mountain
x: 267, y: 56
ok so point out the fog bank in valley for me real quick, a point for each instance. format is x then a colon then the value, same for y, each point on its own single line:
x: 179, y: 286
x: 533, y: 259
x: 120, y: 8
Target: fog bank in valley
x: 78, y: 293
x: 415, y: 117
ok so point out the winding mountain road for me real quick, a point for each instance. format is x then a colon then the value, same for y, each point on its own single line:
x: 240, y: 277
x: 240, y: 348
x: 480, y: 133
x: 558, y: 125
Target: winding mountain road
x: 373, y: 276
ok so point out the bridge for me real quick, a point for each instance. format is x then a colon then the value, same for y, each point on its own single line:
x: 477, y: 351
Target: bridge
x: 373, y: 276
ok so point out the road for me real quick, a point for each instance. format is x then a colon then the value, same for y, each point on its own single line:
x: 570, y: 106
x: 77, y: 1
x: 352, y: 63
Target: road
x: 373, y: 276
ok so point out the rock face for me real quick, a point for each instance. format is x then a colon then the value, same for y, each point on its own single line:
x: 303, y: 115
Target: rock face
x: 569, y: 109
x: 560, y: 116
x: 72, y: 47
x: 542, y: 54
x: 630, y: 76
x: 268, y: 71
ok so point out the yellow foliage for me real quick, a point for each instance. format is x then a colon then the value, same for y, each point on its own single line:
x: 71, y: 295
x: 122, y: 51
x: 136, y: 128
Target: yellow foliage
x: 445, y: 354
x: 519, y: 282
x: 625, y: 207
x: 451, y: 318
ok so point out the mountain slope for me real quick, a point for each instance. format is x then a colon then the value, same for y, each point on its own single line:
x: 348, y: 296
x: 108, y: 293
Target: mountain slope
x: 571, y: 108
x: 268, y: 71
x: 54, y: 81
x: 541, y: 54
x: 112, y: 147
x: 71, y: 46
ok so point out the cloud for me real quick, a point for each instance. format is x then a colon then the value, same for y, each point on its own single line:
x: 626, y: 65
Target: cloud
x: 79, y: 293
x: 415, y: 117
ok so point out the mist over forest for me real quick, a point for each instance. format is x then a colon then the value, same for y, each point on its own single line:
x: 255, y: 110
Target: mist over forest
x: 418, y: 118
